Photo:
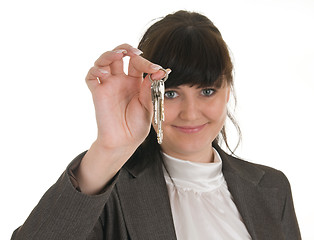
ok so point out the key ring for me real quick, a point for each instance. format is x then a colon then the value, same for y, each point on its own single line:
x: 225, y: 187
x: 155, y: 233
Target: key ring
x: 163, y: 79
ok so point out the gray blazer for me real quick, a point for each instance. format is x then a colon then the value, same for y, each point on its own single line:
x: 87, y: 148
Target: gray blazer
x: 135, y: 205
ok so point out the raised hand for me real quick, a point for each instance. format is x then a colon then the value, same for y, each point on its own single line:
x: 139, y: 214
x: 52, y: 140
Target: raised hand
x: 123, y: 109
x: 122, y: 101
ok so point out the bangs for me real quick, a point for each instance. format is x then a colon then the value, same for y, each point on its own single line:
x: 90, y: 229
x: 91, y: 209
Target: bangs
x: 197, y: 57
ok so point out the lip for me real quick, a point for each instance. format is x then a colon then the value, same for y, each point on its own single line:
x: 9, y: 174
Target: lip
x: 189, y: 129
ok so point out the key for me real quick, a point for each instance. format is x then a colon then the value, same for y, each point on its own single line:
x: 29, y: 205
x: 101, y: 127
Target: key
x: 158, y: 92
x: 155, y: 100
x: 160, y: 104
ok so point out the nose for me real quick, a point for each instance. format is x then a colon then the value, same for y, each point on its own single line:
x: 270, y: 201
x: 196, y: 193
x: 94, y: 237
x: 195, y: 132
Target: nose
x: 189, y: 109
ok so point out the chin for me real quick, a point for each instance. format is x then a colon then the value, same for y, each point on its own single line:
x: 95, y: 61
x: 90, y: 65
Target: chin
x: 186, y: 146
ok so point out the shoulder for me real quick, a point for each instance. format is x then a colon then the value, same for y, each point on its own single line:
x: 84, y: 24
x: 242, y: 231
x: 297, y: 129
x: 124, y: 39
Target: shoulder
x: 271, y: 177
x: 264, y: 176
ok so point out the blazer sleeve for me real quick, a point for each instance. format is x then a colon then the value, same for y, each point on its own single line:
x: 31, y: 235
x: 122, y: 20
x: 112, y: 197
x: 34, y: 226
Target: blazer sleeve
x: 65, y: 213
x: 289, y: 220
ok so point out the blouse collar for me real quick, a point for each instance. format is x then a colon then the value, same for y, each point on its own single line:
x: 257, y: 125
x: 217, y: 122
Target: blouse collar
x: 196, y: 176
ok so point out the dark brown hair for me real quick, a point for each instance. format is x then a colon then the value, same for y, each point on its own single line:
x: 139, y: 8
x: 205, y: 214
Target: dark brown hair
x: 192, y: 47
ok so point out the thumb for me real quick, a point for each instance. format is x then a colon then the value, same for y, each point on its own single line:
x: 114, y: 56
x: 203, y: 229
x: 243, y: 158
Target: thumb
x: 145, y: 96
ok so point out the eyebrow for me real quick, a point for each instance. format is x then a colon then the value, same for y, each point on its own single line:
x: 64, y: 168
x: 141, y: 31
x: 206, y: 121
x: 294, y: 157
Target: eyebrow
x: 198, y: 87
x: 174, y: 87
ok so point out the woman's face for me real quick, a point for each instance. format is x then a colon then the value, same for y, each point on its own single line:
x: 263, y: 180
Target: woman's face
x: 193, y: 118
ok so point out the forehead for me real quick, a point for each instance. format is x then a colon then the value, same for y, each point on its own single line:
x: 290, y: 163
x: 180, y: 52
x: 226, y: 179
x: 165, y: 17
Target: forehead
x: 220, y: 82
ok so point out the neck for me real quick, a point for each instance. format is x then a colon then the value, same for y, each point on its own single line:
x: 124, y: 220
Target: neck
x: 206, y: 156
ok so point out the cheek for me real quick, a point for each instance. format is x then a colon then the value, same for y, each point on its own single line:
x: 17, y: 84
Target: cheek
x: 217, y: 111
x: 171, y: 112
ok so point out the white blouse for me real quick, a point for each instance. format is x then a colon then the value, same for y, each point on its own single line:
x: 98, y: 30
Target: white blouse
x: 201, y: 204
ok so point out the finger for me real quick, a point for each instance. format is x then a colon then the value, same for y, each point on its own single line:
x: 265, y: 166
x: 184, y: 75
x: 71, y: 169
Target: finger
x: 131, y: 51
x: 160, y: 74
x: 114, y: 58
x: 117, y: 66
x: 95, y: 76
x: 107, y: 58
x: 139, y: 65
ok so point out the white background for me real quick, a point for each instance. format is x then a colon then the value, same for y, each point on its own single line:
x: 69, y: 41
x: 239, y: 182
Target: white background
x: 47, y: 115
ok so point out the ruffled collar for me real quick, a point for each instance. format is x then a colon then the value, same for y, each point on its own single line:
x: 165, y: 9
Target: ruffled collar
x: 188, y: 175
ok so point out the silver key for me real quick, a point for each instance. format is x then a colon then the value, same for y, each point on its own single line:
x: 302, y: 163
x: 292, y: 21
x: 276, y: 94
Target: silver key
x: 158, y: 92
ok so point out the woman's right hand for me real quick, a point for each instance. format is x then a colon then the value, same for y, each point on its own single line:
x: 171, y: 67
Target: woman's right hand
x: 122, y: 101
x: 123, y: 109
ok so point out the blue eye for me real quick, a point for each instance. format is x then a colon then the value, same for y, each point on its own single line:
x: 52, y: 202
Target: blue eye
x: 208, y: 92
x: 171, y: 94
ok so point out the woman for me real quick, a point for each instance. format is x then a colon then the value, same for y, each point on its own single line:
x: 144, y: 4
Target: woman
x: 127, y: 186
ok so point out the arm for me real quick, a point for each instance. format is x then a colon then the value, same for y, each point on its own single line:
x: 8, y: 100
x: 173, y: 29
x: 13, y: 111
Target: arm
x: 123, y: 113
x: 123, y: 110
x: 63, y: 212
x: 289, y: 219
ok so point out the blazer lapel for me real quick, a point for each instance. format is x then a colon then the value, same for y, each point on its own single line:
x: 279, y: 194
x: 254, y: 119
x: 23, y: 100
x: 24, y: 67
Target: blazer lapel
x: 145, y: 202
x: 254, y: 202
x: 146, y: 207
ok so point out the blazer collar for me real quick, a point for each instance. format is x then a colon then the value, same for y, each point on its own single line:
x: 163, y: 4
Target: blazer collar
x: 246, y: 171
x: 252, y: 199
x: 144, y: 199
x: 136, y: 165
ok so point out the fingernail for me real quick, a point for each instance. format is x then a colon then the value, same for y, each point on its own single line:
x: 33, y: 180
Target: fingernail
x: 155, y: 67
x: 120, y: 51
x: 103, y: 71
x: 136, y: 51
x: 168, y: 70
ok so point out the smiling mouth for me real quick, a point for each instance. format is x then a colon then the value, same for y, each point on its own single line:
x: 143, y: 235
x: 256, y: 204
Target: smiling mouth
x: 190, y: 129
